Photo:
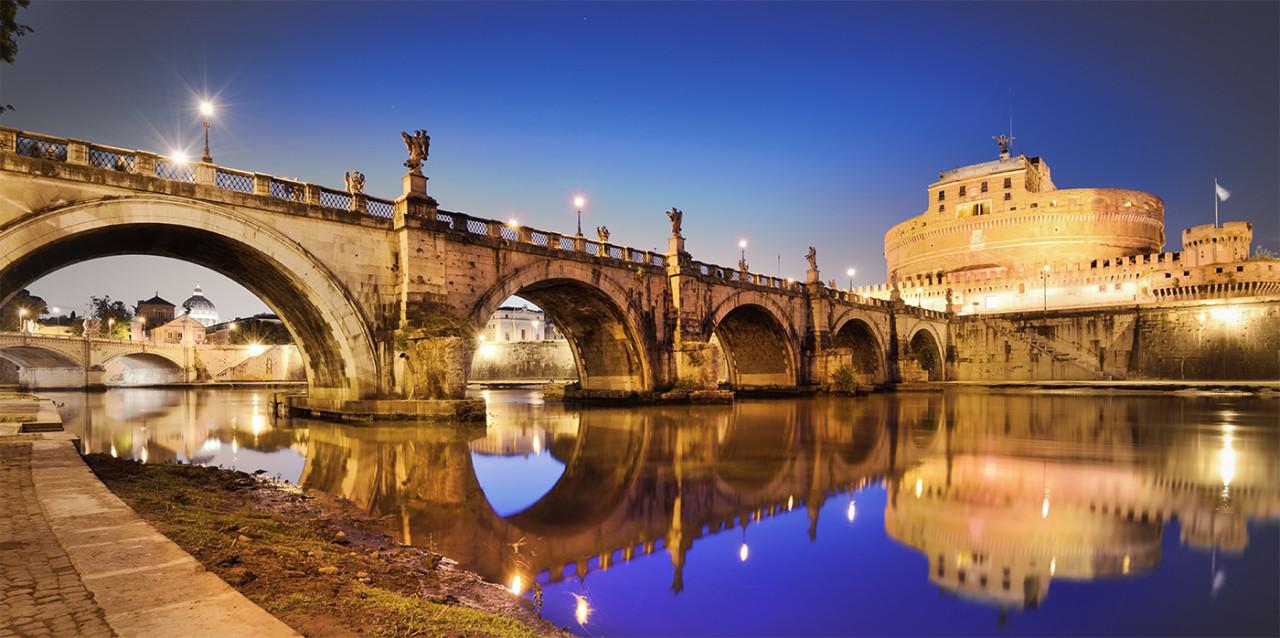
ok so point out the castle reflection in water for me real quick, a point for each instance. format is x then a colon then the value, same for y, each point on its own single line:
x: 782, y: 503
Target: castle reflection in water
x: 1003, y: 493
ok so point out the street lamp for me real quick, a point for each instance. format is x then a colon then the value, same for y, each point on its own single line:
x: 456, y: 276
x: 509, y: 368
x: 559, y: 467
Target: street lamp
x: 578, y: 202
x: 742, y: 245
x: 22, y: 319
x: 1044, y: 282
x: 851, y: 272
x: 206, y: 110
x: 111, y: 324
x: 179, y: 157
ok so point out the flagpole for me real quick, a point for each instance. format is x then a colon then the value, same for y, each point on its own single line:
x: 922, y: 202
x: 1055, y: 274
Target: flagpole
x: 1215, y: 202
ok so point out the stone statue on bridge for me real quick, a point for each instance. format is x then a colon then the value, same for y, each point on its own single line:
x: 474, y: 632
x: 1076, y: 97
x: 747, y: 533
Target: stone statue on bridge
x: 354, y: 181
x: 419, y: 146
x: 603, y: 233
x: 812, y: 256
x: 677, y: 218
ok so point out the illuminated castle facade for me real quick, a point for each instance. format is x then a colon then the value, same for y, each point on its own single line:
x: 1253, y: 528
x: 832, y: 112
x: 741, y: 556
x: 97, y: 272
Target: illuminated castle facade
x: 999, y: 236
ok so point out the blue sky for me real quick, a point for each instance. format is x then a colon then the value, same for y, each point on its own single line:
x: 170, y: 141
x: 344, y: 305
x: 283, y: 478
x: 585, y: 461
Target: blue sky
x: 787, y: 124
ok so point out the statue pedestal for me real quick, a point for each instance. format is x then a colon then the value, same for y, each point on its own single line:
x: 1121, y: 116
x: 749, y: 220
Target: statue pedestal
x: 415, y: 185
x: 812, y: 277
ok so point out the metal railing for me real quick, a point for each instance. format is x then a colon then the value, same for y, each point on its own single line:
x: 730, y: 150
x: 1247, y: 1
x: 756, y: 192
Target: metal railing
x: 233, y: 180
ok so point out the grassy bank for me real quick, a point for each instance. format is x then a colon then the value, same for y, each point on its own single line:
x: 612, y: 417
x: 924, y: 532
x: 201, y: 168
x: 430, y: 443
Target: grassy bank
x: 316, y: 563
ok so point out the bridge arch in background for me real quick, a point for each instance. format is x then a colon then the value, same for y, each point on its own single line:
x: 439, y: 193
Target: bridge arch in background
x: 925, y: 348
x: 141, y: 368
x: 760, y: 347
x: 867, y: 356
x: 337, y: 349
x: 594, y: 313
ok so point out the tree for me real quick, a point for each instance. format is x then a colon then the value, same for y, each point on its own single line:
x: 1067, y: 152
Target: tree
x: 113, y: 317
x: 10, y: 31
x: 11, y: 315
x: 257, y: 331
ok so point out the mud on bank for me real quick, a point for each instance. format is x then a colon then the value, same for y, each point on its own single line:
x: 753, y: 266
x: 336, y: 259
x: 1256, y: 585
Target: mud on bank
x: 313, y: 561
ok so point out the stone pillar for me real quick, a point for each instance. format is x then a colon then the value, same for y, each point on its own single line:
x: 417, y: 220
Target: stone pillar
x: 8, y: 140
x: 436, y: 367
x: 77, y: 152
x: 144, y: 163
x: 359, y: 203
x: 692, y: 357
x: 311, y: 194
x: 261, y: 184
x: 207, y: 174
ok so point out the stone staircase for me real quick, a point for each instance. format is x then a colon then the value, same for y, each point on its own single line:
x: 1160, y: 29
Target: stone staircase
x: 1059, y: 350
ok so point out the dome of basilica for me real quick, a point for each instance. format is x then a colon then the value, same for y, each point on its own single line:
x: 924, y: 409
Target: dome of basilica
x: 200, y: 308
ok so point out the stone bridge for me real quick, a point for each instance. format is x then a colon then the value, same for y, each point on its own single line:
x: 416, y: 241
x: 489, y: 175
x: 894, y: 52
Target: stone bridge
x: 385, y: 297
x: 36, y: 361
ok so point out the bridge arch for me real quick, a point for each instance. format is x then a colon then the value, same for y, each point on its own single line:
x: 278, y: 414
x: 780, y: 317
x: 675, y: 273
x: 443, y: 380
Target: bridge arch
x: 760, y: 345
x: 925, y: 348
x: 867, y: 354
x: 337, y: 349
x: 596, y: 315
x: 142, y: 368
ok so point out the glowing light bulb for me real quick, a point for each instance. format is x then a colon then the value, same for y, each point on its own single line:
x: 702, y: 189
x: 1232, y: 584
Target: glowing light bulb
x: 206, y: 108
x: 579, y: 201
x: 179, y: 157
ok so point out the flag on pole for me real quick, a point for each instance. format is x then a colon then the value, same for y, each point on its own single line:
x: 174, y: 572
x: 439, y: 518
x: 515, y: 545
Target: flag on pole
x: 1223, y: 194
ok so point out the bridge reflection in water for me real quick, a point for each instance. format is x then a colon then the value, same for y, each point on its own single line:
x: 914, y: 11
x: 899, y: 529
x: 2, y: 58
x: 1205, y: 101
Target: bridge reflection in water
x: 1001, y: 495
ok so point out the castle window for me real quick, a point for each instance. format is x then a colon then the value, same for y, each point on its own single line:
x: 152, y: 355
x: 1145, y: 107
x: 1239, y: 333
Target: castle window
x: 984, y: 187
x: 962, y: 190
x: 1168, y: 275
x: 1035, y: 205
x: 1219, y: 270
x: 1186, y: 273
x: 942, y: 195
x: 1239, y: 268
x: 1008, y: 196
x: 1008, y: 182
x: 942, y: 207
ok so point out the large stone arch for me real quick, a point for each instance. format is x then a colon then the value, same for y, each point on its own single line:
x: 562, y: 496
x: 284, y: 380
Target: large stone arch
x: 759, y: 343
x: 595, y: 313
x: 867, y: 355
x: 337, y: 347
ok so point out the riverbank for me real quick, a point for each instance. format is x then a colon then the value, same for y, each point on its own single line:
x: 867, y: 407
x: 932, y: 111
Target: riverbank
x: 1258, y: 387
x: 315, y: 562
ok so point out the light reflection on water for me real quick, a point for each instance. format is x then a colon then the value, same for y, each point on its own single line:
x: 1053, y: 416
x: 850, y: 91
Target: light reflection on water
x: 893, y: 514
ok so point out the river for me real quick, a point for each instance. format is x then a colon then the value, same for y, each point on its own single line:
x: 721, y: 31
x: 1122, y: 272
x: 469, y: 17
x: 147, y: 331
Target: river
x: 963, y: 512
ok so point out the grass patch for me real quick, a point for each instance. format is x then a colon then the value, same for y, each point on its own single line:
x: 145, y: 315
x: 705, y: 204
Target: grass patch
x: 411, y: 616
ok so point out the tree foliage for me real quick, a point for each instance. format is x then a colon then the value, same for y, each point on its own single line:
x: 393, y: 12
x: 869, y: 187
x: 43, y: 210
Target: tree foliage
x: 113, y: 317
x: 10, y: 31
x: 11, y: 314
x: 258, y: 331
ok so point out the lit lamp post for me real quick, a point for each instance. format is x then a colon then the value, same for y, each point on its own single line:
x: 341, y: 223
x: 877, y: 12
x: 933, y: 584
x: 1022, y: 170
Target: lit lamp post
x: 851, y: 272
x: 742, y: 245
x: 578, y: 202
x: 111, y: 324
x: 22, y: 319
x: 206, y: 110
x: 1044, y: 283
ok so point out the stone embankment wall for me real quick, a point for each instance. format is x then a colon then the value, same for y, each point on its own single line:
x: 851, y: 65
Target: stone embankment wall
x: 1240, y: 340
x: 524, y: 360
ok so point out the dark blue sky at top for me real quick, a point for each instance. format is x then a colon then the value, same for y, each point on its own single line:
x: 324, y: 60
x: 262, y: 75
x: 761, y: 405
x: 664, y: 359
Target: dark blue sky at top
x: 787, y: 124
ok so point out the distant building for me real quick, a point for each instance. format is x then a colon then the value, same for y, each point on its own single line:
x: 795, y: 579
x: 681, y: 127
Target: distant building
x: 221, y: 333
x: 999, y: 236
x: 198, y: 307
x: 185, y: 329
x: 519, y: 324
x: 149, y: 314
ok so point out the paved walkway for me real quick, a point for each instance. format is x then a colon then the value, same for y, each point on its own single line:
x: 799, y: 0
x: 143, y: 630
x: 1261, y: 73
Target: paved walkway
x: 76, y: 561
x: 40, y: 592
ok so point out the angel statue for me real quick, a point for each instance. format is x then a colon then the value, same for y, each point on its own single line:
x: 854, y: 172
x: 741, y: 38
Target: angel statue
x: 603, y: 233
x: 677, y: 218
x: 354, y: 181
x: 812, y: 256
x: 418, y: 145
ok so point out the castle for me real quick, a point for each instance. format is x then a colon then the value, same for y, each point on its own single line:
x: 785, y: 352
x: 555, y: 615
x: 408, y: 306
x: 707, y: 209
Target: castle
x: 999, y: 236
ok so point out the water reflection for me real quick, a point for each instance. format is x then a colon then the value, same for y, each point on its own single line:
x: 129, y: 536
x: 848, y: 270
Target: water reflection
x: 990, y: 498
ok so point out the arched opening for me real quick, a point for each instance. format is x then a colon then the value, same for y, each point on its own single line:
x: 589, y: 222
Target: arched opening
x: 859, y: 349
x: 141, y: 369
x: 924, y: 358
x: 329, y: 329
x: 33, y: 368
x: 604, y: 344
x: 757, y: 349
x: 753, y: 448
x: 521, y: 344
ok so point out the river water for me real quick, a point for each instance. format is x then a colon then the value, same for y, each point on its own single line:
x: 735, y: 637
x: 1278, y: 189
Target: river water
x: 962, y: 512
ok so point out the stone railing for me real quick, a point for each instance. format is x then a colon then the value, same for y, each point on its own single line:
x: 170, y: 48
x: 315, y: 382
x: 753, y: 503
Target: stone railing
x: 136, y: 162
x: 517, y: 234
x: 737, y: 275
